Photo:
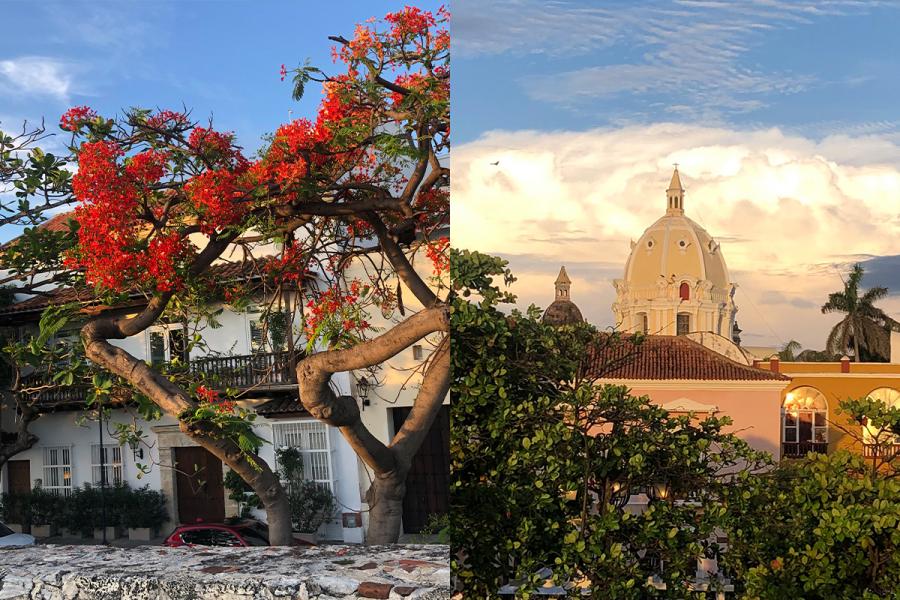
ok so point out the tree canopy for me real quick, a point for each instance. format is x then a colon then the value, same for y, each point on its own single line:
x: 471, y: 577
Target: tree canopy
x: 159, y: 198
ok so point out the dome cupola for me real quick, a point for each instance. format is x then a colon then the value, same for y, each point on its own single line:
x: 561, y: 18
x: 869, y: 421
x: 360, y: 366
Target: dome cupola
x: 562, y: 311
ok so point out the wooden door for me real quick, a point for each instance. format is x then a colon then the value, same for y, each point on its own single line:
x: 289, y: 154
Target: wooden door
x: 198, y: 486
x: 19, y: 473
x: 428, y: 482
x: 19, y: 476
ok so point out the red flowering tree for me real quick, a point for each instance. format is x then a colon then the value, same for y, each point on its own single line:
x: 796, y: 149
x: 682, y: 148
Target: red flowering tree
x: 159, y: 198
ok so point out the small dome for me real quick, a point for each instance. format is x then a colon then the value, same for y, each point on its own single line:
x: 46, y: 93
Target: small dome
x: 562, y: 312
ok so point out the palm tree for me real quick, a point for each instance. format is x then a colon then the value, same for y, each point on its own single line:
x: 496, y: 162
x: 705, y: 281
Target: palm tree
x: 787, y: 351
x: 864, y: 325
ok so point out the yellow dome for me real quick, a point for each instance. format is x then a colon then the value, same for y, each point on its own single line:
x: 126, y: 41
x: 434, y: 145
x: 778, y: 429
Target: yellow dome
x: 676, y: 281
x: 676, y: 247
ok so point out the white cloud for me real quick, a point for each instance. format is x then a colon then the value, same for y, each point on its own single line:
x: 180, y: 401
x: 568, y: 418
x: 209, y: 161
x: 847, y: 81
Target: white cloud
x: 36, y: 76
x: 690, y: 49
x: 790, y: 212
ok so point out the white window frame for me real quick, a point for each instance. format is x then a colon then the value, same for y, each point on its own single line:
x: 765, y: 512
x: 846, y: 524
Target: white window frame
x: 819, y: 433
x: 298, y: 434
x: 115, y: 472
x: 63, y: 485
x: 166, y: 332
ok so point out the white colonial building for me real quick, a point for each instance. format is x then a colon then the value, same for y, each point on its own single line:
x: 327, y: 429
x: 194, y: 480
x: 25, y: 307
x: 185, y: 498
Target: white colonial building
x: 240, y: 354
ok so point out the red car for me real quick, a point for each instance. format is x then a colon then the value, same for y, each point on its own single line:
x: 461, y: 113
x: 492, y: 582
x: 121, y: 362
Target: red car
x: 244, y: 533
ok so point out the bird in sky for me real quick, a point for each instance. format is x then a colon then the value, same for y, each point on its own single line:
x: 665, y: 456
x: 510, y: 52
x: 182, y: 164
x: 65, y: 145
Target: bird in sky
x: 494, y: 164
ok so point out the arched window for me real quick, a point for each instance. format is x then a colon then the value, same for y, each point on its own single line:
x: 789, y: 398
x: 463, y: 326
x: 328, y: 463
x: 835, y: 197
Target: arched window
x: 682, y: 324
x: 684, y: 292
x: 804, y: 422
x: 877, y: 441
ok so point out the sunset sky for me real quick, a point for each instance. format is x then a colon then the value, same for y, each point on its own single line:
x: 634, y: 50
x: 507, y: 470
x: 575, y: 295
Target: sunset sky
x: 781, y: 115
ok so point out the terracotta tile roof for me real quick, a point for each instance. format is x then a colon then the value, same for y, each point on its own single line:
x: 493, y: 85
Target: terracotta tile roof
x: 58, y: 222
x: 661, y: 357
x: 280, y: 406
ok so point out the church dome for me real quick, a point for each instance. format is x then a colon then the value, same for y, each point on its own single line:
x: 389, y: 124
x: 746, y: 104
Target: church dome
x: 675, y: 246
x: 676, y: 280
x: 562, y: 311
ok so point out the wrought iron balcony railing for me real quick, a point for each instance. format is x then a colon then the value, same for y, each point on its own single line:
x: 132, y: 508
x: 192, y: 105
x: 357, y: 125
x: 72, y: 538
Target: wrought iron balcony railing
x: 262, y: 370
x: 801, y: 449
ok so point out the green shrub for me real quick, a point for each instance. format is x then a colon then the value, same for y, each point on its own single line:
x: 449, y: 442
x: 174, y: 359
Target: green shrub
x: 81, y: 510
x: 15, y: 508
x: 145, y: 508
x: 46, y: 508
x: 311, y: 503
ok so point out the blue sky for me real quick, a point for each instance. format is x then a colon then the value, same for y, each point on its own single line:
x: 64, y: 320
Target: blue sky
x: 577, y: 65
x: 219, y: 58
x: 783, y: 115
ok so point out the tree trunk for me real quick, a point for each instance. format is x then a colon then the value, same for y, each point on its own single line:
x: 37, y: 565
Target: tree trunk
x: 385, y: 499
x: 262, y: 480
x: 24, y: 438
x: 390, y: 463
x: 855, y: 344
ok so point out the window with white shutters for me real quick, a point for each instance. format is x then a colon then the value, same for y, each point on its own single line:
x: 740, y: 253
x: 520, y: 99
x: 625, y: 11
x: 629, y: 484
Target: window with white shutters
x: 112, y: 464
x: 58, y: 470
x: 311, y: 438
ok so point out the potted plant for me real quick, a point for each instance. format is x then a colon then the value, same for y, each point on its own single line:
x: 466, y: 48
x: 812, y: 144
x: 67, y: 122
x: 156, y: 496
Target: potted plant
x: 145, y: 514
x: 312, y: 504
x: 107, y: 511
x: 46, y: 511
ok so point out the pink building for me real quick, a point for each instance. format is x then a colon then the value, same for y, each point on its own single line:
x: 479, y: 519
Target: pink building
x: 682, y: 375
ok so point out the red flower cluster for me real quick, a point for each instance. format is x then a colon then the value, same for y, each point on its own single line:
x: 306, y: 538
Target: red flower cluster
x: 336, y: 312
x: 287, y: 266
x: 209, y: 396
x: 147, y: 167
x: 411, y: 20
x: 216, y: 146
x: 217, y: 196
x: 283, y: 72
x: 75, y: 117
x: 438, y: 255
x: 167, y: 118
x: 109, y: 248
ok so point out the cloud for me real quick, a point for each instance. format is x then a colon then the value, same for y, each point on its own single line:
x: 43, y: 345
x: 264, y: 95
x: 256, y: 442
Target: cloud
x: 37, y: 76
x: 791, y: 213
x: 689, y: 58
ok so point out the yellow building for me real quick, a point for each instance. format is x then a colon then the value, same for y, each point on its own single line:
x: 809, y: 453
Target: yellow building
x: 676, y: 280
x: 810, y: 421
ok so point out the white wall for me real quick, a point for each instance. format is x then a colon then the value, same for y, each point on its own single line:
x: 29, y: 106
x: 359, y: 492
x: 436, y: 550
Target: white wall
x: 64, y: 429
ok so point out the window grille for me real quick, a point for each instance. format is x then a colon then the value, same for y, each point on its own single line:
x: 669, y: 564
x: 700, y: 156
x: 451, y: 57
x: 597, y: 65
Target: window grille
x: 58, y: 470
x: 112, y: 464
x: 311, y: 438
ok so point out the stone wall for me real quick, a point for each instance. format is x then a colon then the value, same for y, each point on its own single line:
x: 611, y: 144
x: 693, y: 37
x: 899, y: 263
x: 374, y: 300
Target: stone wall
x: 159, y: 573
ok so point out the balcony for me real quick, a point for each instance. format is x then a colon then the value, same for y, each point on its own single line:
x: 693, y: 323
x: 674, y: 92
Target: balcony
x: 801, y: 449
x: 885, y: 451
x: 263, y: 371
